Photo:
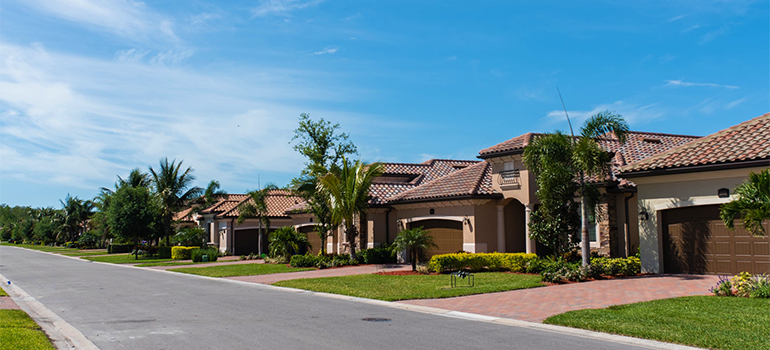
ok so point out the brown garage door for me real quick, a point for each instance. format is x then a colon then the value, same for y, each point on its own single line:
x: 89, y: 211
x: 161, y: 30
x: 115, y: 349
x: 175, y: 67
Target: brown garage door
x: 695, y: 240
x: 448, y: 235
x: 312, y: 238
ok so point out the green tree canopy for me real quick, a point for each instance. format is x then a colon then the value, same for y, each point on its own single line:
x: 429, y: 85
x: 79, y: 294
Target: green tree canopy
x: 417, y: 241
x: 174, y: 189
x: 133, y: 213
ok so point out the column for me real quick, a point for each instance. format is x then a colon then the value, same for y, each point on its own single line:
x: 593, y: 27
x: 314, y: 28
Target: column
x: 501, y: 228
x: 529, y: 242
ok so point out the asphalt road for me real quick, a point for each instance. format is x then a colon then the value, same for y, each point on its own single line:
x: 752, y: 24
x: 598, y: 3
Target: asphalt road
x: 129, y: 308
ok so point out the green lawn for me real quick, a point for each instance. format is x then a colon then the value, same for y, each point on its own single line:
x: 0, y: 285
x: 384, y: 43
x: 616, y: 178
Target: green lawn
x: 239, y: 270
x: 124, y: 259
x: 18, y: 331
x: 3, y: 293
x: 702, y: 321
x: 85, y: 253
x: 390, y: 288
x: 181, y: 263
x: 59, y: 250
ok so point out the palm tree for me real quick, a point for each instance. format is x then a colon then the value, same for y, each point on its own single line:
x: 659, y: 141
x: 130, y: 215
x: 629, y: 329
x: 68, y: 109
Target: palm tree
x: 256, y: 207
x: 591, y: 160
x: 416, y: 240
x: 752, y: 205
x: 212, y: 194
x: 174, y: 190
x: 286, y: 241
x: 347, y: 189
x: 75, y: 213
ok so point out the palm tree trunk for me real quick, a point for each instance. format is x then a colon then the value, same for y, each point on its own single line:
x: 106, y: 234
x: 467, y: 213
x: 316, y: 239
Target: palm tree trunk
x: 259, y: 244
x: 351, y: 232
x: 586, y: 246
x: 414, y: 259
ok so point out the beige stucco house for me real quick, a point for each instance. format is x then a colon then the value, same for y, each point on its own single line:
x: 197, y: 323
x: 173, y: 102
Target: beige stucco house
x: 679, y: 194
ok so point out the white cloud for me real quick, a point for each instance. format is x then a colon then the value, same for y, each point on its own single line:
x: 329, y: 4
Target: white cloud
x: 78, y: 122
x: 681, y: 83
x: 675, y: 18
x: 735, y: 103
x: 632, y: 113
x: 272, y: 7
x: 329, y: 50
x: 452, y: 58
x: 125, y: 18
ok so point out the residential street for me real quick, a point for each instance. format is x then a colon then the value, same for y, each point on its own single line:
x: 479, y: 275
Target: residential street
x: 129, y: 308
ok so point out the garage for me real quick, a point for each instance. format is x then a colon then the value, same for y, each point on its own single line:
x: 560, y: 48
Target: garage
x: 247, y: 241
x: 447, y: 234
x: 695, y: 240
x: 312, y: 238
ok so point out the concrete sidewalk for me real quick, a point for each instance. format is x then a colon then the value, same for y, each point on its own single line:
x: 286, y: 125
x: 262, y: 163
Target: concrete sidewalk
x: 217, y: 263
x: 537, y: 304
x: 334, y: 272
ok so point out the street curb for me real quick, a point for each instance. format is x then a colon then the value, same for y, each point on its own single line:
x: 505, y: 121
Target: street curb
x: 62, y: 334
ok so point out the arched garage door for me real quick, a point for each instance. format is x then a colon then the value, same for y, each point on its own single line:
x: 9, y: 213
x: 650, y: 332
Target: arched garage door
x: 312, y: 238
x: 447, y: 234
x: 695, y: 240
x: 247, y: 242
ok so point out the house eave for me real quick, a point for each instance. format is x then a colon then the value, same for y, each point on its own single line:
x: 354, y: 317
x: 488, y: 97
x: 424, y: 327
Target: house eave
x: 697, y: 168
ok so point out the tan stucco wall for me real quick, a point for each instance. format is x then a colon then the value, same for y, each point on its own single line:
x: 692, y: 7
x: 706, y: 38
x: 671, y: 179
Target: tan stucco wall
x: 526, y: 193
x: 657, y: 193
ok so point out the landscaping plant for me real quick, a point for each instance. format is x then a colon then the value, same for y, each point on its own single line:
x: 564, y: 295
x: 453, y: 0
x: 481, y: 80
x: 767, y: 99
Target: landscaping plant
x: 286, y: 241
x: 416, y: 241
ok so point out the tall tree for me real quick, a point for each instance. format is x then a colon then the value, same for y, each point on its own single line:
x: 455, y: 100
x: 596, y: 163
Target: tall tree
x: 212, y: 194
x: 347, y: 191
x: 556, y: 221
x: 75, y: 212
x: 323, y: 146
x: 132, y: 214
x: 752, y: 204
x: 174, y: 190
x: 257, y: 208
x: 591, y: 160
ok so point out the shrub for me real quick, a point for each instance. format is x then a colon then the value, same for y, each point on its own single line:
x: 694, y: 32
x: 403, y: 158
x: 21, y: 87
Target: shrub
x: 119, y: 248
x: 286, y: 242
x: 89, y: 239
x: 378, y: 255
x: 164, y: 252
x: 182, y: 253
x: 723, y: 288
x: 761, y: 287
x: 618, y: 266
x: 743, y: 284
x: 303, y: 260
x: 516, y: 262
x: 190, y: 236
x: 71, y: 244
x: 197, y: 254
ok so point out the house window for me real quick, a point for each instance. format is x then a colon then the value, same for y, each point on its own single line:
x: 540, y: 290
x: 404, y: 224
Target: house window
x: 592, y: 227
x: 507, y: 166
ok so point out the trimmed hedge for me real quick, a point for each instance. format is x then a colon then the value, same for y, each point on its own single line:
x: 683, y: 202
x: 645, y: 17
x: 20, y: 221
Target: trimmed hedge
x: 182, y: 253
x: 164, y: 252
x: 515, y: 262
x: 197, y: 254
x: 303, y: 260
x: 378, y: 255
x: 618, y: 266
x: 120, y: 248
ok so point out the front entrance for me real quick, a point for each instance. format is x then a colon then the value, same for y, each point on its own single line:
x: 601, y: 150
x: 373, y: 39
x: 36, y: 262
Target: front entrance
x: 695, y: 240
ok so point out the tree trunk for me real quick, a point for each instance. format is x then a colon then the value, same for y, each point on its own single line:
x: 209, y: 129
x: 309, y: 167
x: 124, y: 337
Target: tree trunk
x: 167, y: 228
x: 351, y: 232
x: 586, y: 248
x: 414, y: 259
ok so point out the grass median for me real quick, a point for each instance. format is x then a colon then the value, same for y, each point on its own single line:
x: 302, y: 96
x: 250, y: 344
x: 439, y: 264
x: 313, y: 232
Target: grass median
x: 59, y: 250
x: 393, y: 287
x: 239, y: 270
x: 19, y: 332
x: 702, y: 321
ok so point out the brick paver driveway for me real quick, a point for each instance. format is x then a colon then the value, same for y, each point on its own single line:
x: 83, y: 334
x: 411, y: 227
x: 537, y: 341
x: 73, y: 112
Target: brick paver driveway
x: 537, y: 304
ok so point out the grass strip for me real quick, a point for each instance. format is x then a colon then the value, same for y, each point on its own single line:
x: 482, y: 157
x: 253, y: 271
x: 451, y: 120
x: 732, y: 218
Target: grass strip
x: 239, y: 270
x: 3, y: 293
x: 702, y: 321
x: 124, y: 259
x: 18, y: 331
x: 391, y: 288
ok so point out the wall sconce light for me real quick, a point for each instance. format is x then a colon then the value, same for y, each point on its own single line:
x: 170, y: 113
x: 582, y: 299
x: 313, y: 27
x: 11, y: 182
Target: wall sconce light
x: 398, y: 223
x: 432, y: 211
x: 643, y: 216
x: 466, y: 221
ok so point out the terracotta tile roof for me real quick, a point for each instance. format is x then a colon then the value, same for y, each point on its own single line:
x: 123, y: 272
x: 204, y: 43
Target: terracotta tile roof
x: 228, y: 202
x: 423, y: 173
x: 746, y: 141
x: 475, y: 180
x: 277, y: 203
x: 184, y: 215
x: 301, y: 207
x: 516, y: 143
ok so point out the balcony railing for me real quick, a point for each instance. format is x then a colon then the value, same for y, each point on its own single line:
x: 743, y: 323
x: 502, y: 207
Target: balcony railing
x: 509, y: 178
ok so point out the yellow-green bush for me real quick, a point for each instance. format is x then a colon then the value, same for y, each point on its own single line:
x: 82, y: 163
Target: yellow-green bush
x: 516, y: 262
x: 182, y: 253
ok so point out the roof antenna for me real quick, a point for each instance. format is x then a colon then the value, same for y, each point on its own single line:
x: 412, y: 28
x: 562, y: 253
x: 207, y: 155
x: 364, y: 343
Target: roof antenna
x: 259, y: 184
x: 565, y: 113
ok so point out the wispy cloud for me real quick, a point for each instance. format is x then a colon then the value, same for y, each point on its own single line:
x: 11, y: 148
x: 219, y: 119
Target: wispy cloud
x: 735, y: 103
x: 125, y: 18
x: 672, y: 19
x: 716, y: 33
x: 274, y: 7
x: 452, y: 58
x: 328, y: 50
x: 79, y: 121
x: 632, y: 113
x: 681, y: 83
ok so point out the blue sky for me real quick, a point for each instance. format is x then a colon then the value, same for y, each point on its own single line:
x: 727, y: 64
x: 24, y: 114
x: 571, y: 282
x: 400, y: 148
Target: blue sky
x: 90, y: 89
